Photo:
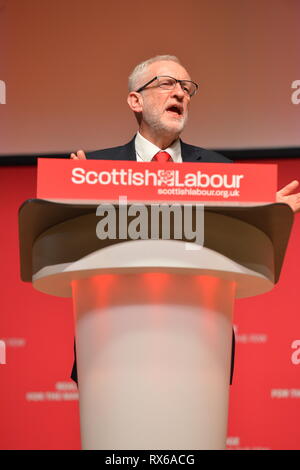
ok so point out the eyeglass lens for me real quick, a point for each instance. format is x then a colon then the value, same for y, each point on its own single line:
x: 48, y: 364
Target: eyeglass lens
x: 168, y: 83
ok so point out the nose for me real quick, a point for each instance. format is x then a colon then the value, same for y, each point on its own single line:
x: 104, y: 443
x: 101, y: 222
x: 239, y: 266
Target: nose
x: 178, y: 91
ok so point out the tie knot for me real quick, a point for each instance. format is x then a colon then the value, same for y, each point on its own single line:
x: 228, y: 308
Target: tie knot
x: 162, y: 157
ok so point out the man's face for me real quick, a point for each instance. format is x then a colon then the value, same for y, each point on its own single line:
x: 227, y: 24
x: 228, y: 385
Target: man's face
x: 164, y: 111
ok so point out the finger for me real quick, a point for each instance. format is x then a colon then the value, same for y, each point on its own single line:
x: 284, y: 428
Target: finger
x: 289, y: 188
x: 73, y: 156
x: 81, y: 155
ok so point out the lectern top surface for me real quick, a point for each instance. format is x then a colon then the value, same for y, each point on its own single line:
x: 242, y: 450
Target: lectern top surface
x: 37, y: 215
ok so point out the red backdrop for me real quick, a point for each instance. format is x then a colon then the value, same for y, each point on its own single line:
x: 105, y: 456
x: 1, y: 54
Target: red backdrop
x: 39, y: 407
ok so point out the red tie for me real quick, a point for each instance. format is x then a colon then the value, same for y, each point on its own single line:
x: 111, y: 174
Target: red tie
x: 162, y: 157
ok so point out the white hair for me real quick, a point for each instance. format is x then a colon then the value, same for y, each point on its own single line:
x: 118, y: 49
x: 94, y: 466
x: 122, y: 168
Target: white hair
x: 135, y: 77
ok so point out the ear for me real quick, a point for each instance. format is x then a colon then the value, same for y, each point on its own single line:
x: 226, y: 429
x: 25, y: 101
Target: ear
x: 135, y: 102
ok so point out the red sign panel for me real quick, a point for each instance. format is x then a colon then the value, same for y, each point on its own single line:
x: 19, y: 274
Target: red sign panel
x: 107, y: 180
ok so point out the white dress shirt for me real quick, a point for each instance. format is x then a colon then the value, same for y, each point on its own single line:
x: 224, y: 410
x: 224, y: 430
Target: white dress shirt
x: 145, y: 150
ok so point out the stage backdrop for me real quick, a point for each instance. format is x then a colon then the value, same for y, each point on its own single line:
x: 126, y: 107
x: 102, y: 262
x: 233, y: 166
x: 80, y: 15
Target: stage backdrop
x: 63, y: 86
x: 38, y: 405
x: 65, y: 65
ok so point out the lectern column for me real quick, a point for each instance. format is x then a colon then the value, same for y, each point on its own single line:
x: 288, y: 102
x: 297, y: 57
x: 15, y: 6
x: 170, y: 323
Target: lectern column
x: 154, y: 354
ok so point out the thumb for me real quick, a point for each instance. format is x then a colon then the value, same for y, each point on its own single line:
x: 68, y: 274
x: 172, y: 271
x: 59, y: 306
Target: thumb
x: 81, y: 155
x: 289, y: 188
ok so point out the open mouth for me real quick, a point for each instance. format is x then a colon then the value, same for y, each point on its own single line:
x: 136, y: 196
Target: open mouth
x: 175, y: 110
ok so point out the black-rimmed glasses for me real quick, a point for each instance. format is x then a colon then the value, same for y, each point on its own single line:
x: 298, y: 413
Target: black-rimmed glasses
x: 168, y: 83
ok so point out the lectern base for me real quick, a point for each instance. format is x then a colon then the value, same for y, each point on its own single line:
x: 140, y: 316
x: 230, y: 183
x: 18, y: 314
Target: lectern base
x: 153, y: 360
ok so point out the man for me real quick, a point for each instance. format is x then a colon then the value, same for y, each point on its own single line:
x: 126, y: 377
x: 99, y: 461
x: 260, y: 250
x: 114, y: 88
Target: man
x: 161, y: 109
x: 160, y: 93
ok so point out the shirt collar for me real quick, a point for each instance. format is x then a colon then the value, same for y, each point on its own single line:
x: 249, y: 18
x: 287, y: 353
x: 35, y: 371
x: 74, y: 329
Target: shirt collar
x: 146, y: 150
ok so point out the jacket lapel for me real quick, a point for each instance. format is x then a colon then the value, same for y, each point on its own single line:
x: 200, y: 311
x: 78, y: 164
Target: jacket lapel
x: 189, y: 153
x: 127, y: 152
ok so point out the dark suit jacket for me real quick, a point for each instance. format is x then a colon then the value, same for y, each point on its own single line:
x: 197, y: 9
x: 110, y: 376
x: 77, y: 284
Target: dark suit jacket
x: 189, y: 153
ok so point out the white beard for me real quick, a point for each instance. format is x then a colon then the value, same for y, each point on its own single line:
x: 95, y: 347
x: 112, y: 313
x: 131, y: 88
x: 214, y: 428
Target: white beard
x: 156, y: 122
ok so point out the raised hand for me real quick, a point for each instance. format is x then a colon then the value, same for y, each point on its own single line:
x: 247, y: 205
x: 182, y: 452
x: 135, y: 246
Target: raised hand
x: 80, y: 155
x: 285, y: 195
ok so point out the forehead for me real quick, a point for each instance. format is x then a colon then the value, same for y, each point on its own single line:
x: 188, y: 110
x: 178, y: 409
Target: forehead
x: 167, y: 67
